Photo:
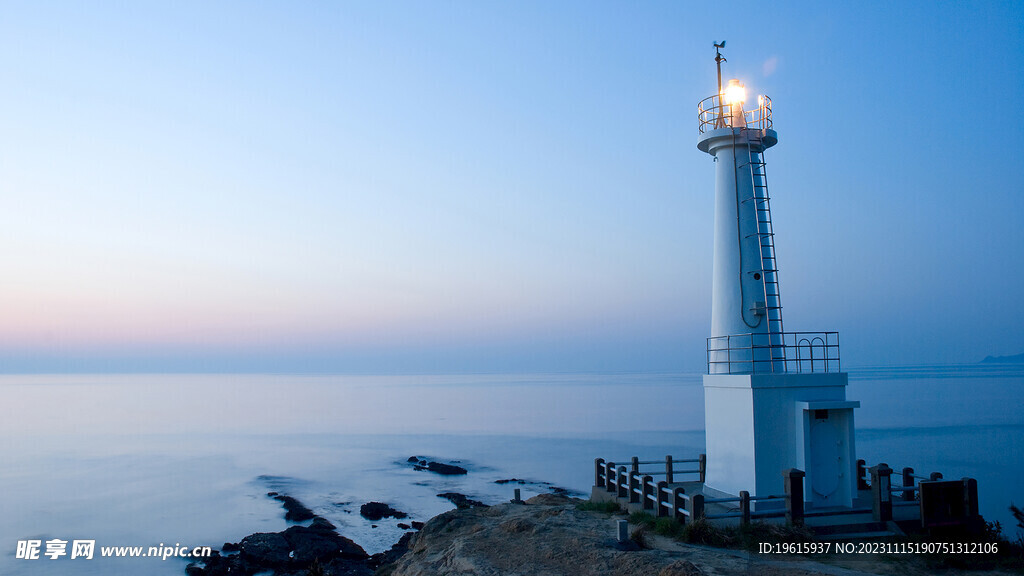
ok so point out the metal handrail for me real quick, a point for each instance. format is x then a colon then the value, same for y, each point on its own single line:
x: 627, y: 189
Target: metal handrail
x: 779, y: 352
x: 714, y: 113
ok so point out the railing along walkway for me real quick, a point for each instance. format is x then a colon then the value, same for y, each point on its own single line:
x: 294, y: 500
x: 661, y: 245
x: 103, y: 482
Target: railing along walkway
x: 685, y: 499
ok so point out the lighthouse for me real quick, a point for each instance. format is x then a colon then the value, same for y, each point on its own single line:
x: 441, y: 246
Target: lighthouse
x: 773, y: 400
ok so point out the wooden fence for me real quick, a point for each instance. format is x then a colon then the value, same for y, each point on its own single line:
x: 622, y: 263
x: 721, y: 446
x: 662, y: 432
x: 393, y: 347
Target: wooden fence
x: 667, y: 498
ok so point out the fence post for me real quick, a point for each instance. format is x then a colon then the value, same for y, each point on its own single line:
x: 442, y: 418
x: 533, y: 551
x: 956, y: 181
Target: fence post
x: 648, y: 488
x: 908, y: 481
x: 609, y: 473
x: 635, y: 465
x: 881, y: 495
x: 598, y: 469
x: 622, y: 482
x: 668, y: 470
x: 862, y: 472
x: 744, y: 507
x: 702, y: 464
x: 634, y: 488
x: 970, y: 497
x: 677, y: 502
x: 661, y: 488
x: 696, y: 507
x: 794, y: 484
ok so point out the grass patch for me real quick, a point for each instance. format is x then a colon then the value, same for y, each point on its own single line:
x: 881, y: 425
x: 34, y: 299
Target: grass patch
x: 702, y: 531
x: 669, y: 527
x: 642, y: 519
x: 664, y: 526
x: 749, y: 536
x: 606, y: 507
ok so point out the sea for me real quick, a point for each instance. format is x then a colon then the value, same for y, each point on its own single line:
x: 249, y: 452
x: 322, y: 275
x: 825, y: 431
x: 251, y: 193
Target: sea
x: 182, y: 460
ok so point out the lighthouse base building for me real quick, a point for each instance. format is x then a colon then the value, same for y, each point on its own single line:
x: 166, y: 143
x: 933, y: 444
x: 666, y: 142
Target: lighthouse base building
x: 759, y: 426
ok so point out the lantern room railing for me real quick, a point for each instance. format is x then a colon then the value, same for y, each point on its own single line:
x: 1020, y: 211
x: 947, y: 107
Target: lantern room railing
x: 786, y: 352
x: 714, y: 112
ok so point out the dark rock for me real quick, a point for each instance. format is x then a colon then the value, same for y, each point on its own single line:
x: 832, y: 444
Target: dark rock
x: 290, y: 552
x: 342, y: 567
x: 321, y: 523
x: 461, y: 501
x: 230, y: 547
x: 402, y: 526
x: 417, y: 525
x: 510, y: 481
x: 445, y: 469
x: 550, y: 500
x: 436, y: 467
x: 298, y: 547
x: 378, y: 510
x: 295, y: 511
x: 392, y: 555
x: 217, y: 565
x: 321, y: 542
x: 266, y: 549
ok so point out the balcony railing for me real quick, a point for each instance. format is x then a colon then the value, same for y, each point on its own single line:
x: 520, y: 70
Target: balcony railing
x: 785, y: 352
x: 713, y: 113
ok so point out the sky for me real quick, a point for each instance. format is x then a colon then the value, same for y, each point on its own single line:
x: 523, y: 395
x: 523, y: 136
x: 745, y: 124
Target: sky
x: 494, y: 186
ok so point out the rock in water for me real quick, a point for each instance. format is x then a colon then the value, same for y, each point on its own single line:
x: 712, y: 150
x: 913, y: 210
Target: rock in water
x: 446, y: 469
x: 376, y: 510
x: 288, y: 553
x: 295, y: 511
x: 461, y: 501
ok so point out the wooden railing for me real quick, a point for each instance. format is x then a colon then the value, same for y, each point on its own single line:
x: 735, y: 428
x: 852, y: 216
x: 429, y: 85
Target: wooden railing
x: 950, y: 501
x: 665, y: 498
x: 635, y: 484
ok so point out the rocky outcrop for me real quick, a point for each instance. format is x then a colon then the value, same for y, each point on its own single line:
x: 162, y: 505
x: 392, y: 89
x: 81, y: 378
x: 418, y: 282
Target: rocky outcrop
x: 549, y: 535
x: 290, y: 552
x: 299, y: 550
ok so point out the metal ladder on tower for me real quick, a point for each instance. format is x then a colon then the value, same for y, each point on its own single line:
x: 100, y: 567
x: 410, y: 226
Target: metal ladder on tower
x: 766, y: 240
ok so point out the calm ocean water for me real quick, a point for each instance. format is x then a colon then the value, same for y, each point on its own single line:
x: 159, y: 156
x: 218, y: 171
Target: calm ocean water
x: 145, y: 460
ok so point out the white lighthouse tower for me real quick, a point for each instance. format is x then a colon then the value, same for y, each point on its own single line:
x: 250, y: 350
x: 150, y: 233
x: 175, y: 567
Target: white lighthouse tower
x: 773, y: 400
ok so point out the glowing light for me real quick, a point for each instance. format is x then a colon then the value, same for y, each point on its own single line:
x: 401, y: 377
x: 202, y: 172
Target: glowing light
x: 760, y: 101
x: 735, y: 92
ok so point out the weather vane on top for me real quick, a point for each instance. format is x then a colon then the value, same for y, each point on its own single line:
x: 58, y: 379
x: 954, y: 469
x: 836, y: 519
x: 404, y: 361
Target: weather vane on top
x: 718, y: 62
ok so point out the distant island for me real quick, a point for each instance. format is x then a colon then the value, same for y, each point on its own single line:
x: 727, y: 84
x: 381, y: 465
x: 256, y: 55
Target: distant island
x: 1015, y: 359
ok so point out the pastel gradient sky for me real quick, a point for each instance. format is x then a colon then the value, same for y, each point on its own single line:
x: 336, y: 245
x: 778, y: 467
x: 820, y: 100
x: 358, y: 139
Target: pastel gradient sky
x: 483, y: 186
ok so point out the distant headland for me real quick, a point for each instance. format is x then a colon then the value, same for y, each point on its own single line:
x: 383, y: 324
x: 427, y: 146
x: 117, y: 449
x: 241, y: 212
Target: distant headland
x: 1015, y: 359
